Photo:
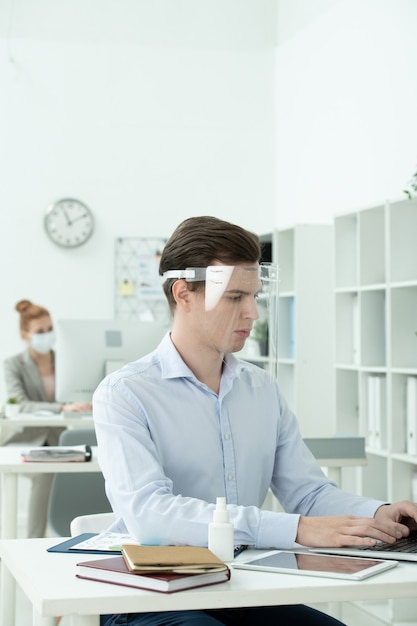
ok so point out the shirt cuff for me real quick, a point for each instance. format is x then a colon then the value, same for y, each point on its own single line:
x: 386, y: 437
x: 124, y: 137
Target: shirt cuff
x: 277, y: 530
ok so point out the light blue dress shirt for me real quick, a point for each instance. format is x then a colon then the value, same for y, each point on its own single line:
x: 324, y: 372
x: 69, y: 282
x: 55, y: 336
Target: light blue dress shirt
x: 168, y: 446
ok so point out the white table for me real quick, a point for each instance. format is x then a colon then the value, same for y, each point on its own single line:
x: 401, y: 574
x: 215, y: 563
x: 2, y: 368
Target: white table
x: 11, y: 465
x: 8, y: 425
x: 48, y: 580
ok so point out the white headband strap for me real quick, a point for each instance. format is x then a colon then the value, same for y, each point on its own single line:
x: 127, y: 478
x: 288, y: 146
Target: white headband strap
x: 191, y: 274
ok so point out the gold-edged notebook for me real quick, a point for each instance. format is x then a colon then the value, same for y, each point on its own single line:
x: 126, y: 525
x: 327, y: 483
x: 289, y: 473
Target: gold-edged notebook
x: 171, y: 559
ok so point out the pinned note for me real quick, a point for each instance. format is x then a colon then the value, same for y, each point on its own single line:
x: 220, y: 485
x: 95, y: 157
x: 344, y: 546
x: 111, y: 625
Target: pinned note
x: 126, y: 288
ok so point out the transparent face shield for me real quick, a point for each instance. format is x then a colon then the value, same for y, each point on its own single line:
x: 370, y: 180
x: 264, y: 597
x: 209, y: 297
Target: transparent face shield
x: 237, y: 309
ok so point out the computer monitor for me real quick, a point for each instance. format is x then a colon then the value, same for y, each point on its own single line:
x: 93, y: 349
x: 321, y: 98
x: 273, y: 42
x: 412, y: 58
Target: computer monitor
x: 88, y: 350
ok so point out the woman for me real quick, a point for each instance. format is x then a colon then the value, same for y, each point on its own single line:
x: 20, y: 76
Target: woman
x: 30, y: 377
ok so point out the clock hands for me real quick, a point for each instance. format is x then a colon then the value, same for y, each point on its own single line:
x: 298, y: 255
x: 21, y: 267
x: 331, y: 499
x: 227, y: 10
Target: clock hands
x: 65, y: 212
x: 80, y: 217
x: 70, y: 221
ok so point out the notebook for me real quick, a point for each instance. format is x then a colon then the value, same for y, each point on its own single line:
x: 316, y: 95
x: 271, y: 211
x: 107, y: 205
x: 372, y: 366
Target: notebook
x: 114, y: 570
x: 175, y: 559
x: 404, y: 549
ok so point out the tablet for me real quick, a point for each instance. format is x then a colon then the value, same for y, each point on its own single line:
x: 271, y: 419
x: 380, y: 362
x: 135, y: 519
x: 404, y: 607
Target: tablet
x: 312, y: 564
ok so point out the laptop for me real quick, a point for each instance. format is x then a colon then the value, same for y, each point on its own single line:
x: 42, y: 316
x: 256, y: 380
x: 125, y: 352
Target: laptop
x: 404, y: 549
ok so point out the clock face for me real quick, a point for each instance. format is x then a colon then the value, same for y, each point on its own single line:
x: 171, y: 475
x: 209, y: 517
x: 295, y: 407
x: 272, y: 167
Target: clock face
x: 69, y: 223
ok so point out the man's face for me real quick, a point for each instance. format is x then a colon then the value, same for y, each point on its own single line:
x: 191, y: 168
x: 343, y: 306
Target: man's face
x: 225, y: 312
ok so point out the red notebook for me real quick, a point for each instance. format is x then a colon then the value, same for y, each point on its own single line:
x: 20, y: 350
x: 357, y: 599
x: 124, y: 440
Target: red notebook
x: 114, y: 570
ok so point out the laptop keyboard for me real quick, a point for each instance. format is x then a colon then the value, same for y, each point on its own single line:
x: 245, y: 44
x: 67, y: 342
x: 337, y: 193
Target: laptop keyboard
x: 406, y: 544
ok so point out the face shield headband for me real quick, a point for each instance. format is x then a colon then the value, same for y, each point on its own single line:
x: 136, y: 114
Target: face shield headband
x: 249, y: 291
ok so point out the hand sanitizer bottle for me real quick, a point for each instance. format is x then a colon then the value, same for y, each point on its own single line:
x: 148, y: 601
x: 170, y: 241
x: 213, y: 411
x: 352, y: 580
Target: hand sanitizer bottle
x: 220, y: 532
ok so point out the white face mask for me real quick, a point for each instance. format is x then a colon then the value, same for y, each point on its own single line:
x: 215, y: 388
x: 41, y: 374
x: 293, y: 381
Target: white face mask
x: 43, y: 342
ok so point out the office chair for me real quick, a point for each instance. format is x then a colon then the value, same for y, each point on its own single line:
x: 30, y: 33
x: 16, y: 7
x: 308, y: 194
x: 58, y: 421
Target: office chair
x: 75, y: 494
x: 93, y: 523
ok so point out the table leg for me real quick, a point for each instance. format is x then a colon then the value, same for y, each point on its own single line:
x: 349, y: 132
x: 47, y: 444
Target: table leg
x: 8, y: 531
x: 8, y: 506
x: 8, y: 597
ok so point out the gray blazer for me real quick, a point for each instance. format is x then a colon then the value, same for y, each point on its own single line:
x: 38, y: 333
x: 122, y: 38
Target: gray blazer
x: 24, y: 383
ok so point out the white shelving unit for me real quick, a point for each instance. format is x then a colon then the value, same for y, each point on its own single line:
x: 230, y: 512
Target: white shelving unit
x: 376, y: 348
x: 305, y: 324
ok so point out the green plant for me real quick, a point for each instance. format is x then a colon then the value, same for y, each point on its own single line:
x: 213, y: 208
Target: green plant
x: 413, y: 185
x: 12, y: 401
x: 260, y: 335
x: 260, y: 330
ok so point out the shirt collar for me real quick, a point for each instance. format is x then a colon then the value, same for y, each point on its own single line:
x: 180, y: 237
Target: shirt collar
x: 172, y: 365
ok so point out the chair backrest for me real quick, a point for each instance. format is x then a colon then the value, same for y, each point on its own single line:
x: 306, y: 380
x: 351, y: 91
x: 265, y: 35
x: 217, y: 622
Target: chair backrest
x: 94, y: 523
x: 75, y: 494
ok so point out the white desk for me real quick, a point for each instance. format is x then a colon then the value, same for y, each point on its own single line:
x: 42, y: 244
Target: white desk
x: 49, y: 582
x: 9, y: 425
x: 11, y: 465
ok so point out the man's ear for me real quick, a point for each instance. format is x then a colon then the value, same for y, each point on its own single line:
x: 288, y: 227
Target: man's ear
x: 181, y: 293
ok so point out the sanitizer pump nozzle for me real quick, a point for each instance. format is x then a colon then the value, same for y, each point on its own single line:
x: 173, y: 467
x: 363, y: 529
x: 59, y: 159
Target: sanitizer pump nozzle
x: 220, y: 532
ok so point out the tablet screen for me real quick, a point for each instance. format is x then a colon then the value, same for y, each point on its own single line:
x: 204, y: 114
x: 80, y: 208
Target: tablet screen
x: 310, y: 562
x: 303, y: 562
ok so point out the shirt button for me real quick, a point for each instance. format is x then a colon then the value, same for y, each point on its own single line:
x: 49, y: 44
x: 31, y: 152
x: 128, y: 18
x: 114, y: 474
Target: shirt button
x: 227, y: 436
x: 230, y: 477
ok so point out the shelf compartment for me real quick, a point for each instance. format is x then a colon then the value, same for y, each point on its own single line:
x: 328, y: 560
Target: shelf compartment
x: 404, y: 327
x: 286, y: 260
x: 373, y: 328
x: 286, y: 327
x: 346, y: 251
x: 399, y: 413
x: 347, y: 325
x: 372, y: 246
x: 403, y: 229
x: 373, y: 411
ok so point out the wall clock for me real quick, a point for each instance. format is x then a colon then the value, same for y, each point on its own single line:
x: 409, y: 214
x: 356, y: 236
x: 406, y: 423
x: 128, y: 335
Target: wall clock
x: 69, y: 223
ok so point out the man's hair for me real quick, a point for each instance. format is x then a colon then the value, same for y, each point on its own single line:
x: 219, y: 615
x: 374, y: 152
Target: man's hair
x: 201, y: 241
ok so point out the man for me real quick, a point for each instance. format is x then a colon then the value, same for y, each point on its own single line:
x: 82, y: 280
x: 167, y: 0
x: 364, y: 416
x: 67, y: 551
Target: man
x: 190, y: 422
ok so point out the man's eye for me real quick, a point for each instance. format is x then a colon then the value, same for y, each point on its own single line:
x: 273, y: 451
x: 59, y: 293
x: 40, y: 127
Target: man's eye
x: 235, y: 298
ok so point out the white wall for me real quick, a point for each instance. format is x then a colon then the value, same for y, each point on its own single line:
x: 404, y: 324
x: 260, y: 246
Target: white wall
x: 149, y: 111
x: 154, y: 110
x: 346, y: 88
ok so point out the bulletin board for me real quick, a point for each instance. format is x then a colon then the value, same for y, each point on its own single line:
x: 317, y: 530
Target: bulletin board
x: 138, y: 286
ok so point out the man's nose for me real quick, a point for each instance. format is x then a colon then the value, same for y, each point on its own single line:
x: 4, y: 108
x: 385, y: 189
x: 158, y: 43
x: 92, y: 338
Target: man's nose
x: 251, y: 310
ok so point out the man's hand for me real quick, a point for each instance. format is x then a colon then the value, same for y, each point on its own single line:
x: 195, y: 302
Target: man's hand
x: 403, y: 513
x: 347, y: 530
